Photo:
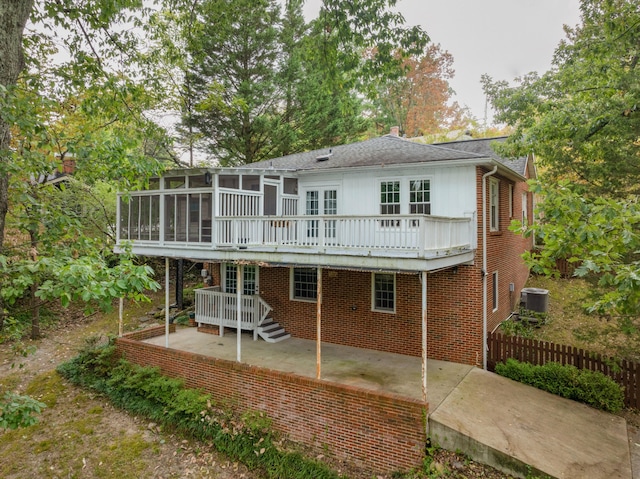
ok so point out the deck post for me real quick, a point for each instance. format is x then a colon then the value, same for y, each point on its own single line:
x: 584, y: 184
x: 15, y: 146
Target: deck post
x: 166, y: 302
x: 319, y: 324
x: 424, y: 335
x: 239, y: 289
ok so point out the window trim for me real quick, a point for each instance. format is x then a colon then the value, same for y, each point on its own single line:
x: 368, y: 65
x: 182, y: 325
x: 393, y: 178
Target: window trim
x: 374, y: 307
x: 398, y: 181
x: 494, y: 202
x: 511, y: 196
x: 525, y: 210
x: 292, y: 287
x: 430, y: 193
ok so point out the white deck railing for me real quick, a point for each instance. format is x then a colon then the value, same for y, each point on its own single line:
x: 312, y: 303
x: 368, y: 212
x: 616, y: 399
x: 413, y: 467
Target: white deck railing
x: 408, y: 232
x: 220, y: 309
x: 352, y: 234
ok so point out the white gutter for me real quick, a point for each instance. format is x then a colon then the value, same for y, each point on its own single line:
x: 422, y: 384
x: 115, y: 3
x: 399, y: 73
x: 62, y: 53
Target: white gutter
x: 484, y: 265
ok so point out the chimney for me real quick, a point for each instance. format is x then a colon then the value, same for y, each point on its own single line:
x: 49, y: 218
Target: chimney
x: 395, y: 131
x: 68, y: 166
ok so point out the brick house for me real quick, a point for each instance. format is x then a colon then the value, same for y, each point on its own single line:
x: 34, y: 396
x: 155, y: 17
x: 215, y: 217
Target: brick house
x: 385, y: 244
x: 386, y: 213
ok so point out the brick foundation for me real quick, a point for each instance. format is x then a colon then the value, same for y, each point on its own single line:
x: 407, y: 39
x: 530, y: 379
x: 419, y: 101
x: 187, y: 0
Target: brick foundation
x: 150, y: 332
x: 209, y: 329
x: 374, y: 431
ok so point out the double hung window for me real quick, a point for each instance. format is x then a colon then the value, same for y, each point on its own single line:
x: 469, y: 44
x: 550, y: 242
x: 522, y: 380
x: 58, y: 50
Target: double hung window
x: 304, y: 284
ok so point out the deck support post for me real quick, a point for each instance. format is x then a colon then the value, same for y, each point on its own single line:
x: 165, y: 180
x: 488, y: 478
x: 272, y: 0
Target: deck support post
x: 166, y: 302
x: 180, y: 283
x: 424, y: 335
x: 319, y: 324
x: 239, y: 290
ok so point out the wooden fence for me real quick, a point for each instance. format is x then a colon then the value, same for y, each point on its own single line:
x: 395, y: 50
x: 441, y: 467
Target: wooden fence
x: 625, y: 373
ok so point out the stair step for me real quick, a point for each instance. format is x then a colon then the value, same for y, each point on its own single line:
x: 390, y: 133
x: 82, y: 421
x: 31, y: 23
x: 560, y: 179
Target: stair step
x: 270, y: 328
x: 278, y: 337
x: 272, y: 332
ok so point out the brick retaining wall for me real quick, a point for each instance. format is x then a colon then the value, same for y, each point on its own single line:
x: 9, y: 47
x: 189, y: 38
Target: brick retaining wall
x: 374, y: 431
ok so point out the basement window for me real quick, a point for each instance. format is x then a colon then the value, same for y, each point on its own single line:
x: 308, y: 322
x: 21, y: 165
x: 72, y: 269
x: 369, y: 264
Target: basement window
x: 383, y: 291
x: 304, y: 284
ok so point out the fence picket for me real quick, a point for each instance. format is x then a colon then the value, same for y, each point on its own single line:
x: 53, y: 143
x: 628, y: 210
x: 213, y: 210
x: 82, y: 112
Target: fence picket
x: 536, y: 352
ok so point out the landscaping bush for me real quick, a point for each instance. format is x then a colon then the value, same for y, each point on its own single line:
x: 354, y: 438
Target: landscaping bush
x: 144, y: 391
x: 589, y: 387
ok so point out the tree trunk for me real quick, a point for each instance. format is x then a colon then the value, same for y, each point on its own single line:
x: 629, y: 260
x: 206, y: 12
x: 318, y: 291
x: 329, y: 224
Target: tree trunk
x: 13, y: 17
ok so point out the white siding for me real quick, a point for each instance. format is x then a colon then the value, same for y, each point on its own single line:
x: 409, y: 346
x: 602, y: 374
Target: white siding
x: 453, y: 189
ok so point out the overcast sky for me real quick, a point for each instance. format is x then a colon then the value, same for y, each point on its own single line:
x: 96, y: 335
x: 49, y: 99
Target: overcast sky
x: 503, y: 38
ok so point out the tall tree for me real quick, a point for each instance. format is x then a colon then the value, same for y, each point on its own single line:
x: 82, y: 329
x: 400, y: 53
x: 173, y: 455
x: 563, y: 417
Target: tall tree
x: 583, y: 121
x: 582, y: 117
x: 268, y: 84
x: 236, y: 86
x: 13, y: 16
x: 419, y: 101
x: 91, y: 107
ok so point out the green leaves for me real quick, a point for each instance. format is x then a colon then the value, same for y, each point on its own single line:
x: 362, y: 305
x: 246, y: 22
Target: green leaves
x: 18, y: 411
x: 581, y: 118
x: 581, y: 121
x: 600, y: 236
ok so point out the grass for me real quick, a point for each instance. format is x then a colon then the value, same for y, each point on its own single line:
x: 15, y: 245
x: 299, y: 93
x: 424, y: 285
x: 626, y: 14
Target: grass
x: 68, y: 441
x: 569, y: 323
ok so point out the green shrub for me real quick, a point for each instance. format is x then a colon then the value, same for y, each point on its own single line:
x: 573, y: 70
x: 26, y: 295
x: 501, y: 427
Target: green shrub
x: 589, y: 387
x: 18, y: 411
x: 144, y: 391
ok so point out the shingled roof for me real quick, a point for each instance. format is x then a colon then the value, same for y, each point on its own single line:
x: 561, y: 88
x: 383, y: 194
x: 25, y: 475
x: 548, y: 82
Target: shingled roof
x: 482, y: 146
x: 385, y: 151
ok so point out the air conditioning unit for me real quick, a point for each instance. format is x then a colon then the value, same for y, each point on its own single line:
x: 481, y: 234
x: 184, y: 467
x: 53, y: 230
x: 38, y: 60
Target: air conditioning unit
x: 534, y: 299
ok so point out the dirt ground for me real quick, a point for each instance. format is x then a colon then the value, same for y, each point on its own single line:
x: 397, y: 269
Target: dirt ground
x: 80, y: 435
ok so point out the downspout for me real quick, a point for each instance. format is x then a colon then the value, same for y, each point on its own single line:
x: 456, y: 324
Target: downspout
x: 319, y: 323
x: 166, y: 302
x: 484, y: 265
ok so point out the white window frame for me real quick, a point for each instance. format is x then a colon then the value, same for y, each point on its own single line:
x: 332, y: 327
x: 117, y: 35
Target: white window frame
x: 381, y: 205
x: 494, y: 293
x: 427, y: 203
x: 374, y: 306
x: 525, y: 210
x: 494, y: 204
x: 292, y: 286
x: 510, y: 201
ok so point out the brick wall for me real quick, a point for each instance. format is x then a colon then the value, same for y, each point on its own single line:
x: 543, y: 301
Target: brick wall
x: 504, y: 249
x: 151, y: 332
x: 375, y: 431
x: 454, y: 328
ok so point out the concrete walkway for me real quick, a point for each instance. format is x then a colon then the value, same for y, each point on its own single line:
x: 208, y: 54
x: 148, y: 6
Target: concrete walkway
x: 520, y: 429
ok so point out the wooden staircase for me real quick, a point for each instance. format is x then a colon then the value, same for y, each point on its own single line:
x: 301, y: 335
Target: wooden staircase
x: 272, y: 332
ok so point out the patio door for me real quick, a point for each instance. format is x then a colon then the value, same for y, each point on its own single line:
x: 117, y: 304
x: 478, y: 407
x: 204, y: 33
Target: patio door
x: 321, y: 202
x: 230, y: 279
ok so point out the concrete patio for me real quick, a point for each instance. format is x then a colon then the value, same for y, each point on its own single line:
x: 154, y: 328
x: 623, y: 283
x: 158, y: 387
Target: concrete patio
x: 367, y: 369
